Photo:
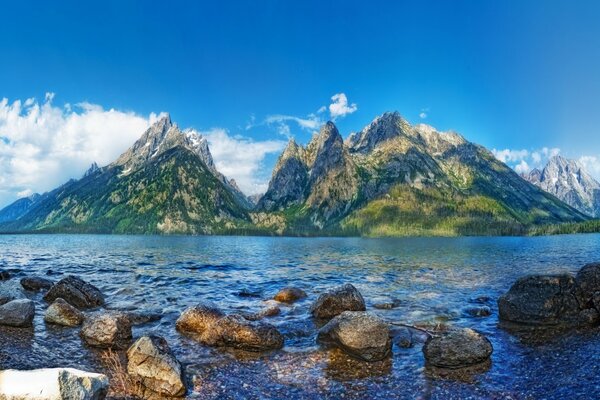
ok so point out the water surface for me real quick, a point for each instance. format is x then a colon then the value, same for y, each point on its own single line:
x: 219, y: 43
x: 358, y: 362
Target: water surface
x: 433, y: 279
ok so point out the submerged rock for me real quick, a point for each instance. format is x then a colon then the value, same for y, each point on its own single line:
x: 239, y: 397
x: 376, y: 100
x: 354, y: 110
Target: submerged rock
x: 18, y: 313
x: 588, y: 284
x: 52, y: 384
x: 403, y: 337
x: 76, y: 292
x: 541, y: 300
x: 457, y: 348
x: 106, y: 330
x: 289, y: 295
x: 483, y: 311
x: 4, y: 275
x: 360, y: 334
x: 62, y: 313
x: 269, y: 311
x: 142, y: 317
x: 388, y: 305
x: 213, y: 328
x: 336, y: 301
x: 35, y: 283
x: 152, y: 364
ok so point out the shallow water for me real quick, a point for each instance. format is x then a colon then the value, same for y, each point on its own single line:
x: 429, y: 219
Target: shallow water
x: 434, y: 279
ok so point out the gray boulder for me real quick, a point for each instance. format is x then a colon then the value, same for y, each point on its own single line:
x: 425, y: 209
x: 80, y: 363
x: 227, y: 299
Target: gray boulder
x: 17, y: 313
x: 360, y: 334
x: 106, y: 330
x: 289, y: 295
x: 541, y: 300
x: 588, y: 284
x: 9, y: 291
x: 62, y: 313
x: 457, y: 348
x: 153, y: 365
x: 336, y: 301
x: 35, y: 283
x: 76, y: 292
x: 52, y: 384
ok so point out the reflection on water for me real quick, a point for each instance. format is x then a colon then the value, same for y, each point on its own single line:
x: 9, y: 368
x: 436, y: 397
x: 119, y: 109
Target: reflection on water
x: 430, y: 281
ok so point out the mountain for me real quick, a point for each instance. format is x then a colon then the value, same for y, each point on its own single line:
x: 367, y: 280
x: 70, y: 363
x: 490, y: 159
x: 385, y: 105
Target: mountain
x: 165, y: 183
x: 393, y: 178
x: 19, y: 208
x: 568, y: 180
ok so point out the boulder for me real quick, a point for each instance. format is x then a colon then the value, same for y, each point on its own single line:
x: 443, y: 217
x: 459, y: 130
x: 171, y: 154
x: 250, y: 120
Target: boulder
x: 588, y: 284
x: 336, y: 301
x: 10, y: 291
x: 35, y: 283
x: 4, y: 275
x: 52, y: 384
x: 541, y: 300
x: 153, y: 365
x: 76, y: 292
x: 289, y: 295
x: 457, y: 348
x: 237, y: 332
x: 106, y: 330
x: 360, y: 334
x: 17, y: 313
x: 201, y: 320
x: 62, y: 313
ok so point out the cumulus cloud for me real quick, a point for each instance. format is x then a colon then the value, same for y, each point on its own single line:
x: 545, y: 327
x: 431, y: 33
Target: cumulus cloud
x: 522, y: 167
x: 241, y: 158
x: 340, y: 107
x: 508, y: 155
x: 43, y: 145
x: 591, y: 164
x: 523, y: 161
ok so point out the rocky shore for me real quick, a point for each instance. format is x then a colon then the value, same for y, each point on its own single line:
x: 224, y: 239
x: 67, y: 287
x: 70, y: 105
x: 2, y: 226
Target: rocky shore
x: 343, y: 322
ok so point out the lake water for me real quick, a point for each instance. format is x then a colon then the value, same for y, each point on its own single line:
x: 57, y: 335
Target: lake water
x: 433, y: 279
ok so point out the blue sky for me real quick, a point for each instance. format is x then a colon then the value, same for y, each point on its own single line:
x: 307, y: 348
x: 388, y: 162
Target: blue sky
x: 509, y: 75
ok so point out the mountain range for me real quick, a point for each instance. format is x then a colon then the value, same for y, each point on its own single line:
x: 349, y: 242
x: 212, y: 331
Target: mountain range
x: 568, y: 180
x: 389, y: 179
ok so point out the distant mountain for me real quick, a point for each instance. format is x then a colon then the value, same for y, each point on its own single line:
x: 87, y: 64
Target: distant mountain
x: 389, y: 179
x: 165, y: 183
x: 19, y: 208
x: 392, y: 178
x: 568, y: 180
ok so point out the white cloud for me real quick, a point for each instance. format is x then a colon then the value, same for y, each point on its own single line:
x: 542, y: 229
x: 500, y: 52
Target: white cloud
x: 42, y: 145
x: 340, y: 106
x: 508, y: 155
x: 523, y: 161
x: 591, y: 164
x: 311, y: 122
x: 422, y: 115
x: 522, y: 167
x: 241, y: 158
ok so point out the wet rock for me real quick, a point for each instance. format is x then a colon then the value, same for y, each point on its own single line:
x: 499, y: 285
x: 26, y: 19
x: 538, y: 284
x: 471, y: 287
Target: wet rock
x: 76, y: 292
x: 387, y: 305
x: 360, y: 334
x: 587, y: 281
x: 35, y: 284
x: 290, y: 295
x: 338, y: 300
x: 589, y: 316
x: 403, y: 337
x: 17, y: 313
x: 152, y: 364
x: 237, y: 332
x: 52, y: 384
x: 142, y: 317
x: 541, y: 300
x: 10, y: 291
x: 106, y: 330
x: 457, y: 348
x: 249, y: 293
x: 4, y: 275
x: 269, y: 311
x: 201, y: 320
x: 62, y: 313
x: 478, y: 312
x: 596, y: 301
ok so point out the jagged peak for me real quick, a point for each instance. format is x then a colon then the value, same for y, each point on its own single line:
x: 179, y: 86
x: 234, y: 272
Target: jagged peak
x: 93, y: 168
x: 384, y: 127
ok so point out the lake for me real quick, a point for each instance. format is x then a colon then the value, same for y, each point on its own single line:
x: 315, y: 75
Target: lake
x: 432, y: 280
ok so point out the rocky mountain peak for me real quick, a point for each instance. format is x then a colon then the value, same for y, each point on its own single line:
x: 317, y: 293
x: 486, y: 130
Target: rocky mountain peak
x: 384, y: 127
x: 93, y: 168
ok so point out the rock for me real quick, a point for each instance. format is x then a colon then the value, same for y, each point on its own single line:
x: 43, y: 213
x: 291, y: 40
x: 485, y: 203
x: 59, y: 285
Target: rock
x: 4, y: 275
x: 106, y: 330
x: 587, y: 281
x: 596, y: 301
x: 249, y: 293
x: 269, y: 311
x: 541, y: 300
x: 10, y: 291
x: 338, y: 300
x: 152, y: 364
x: 76, y: 292
x: 62, y: 313
x: 213, y: 328
x: 52, y: 384
x: 237, y: 332
x: 360, y: 334
x: 35, y: 283
x: 17, y: 313
x: 289, y: 295
x: 142, y: 317
x: 457, y: 348
x: 483, y: 311
x: 403, y: 337
x: 387, y: 305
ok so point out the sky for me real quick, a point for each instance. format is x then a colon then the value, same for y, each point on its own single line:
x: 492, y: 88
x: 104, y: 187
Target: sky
x: 80, y: 81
